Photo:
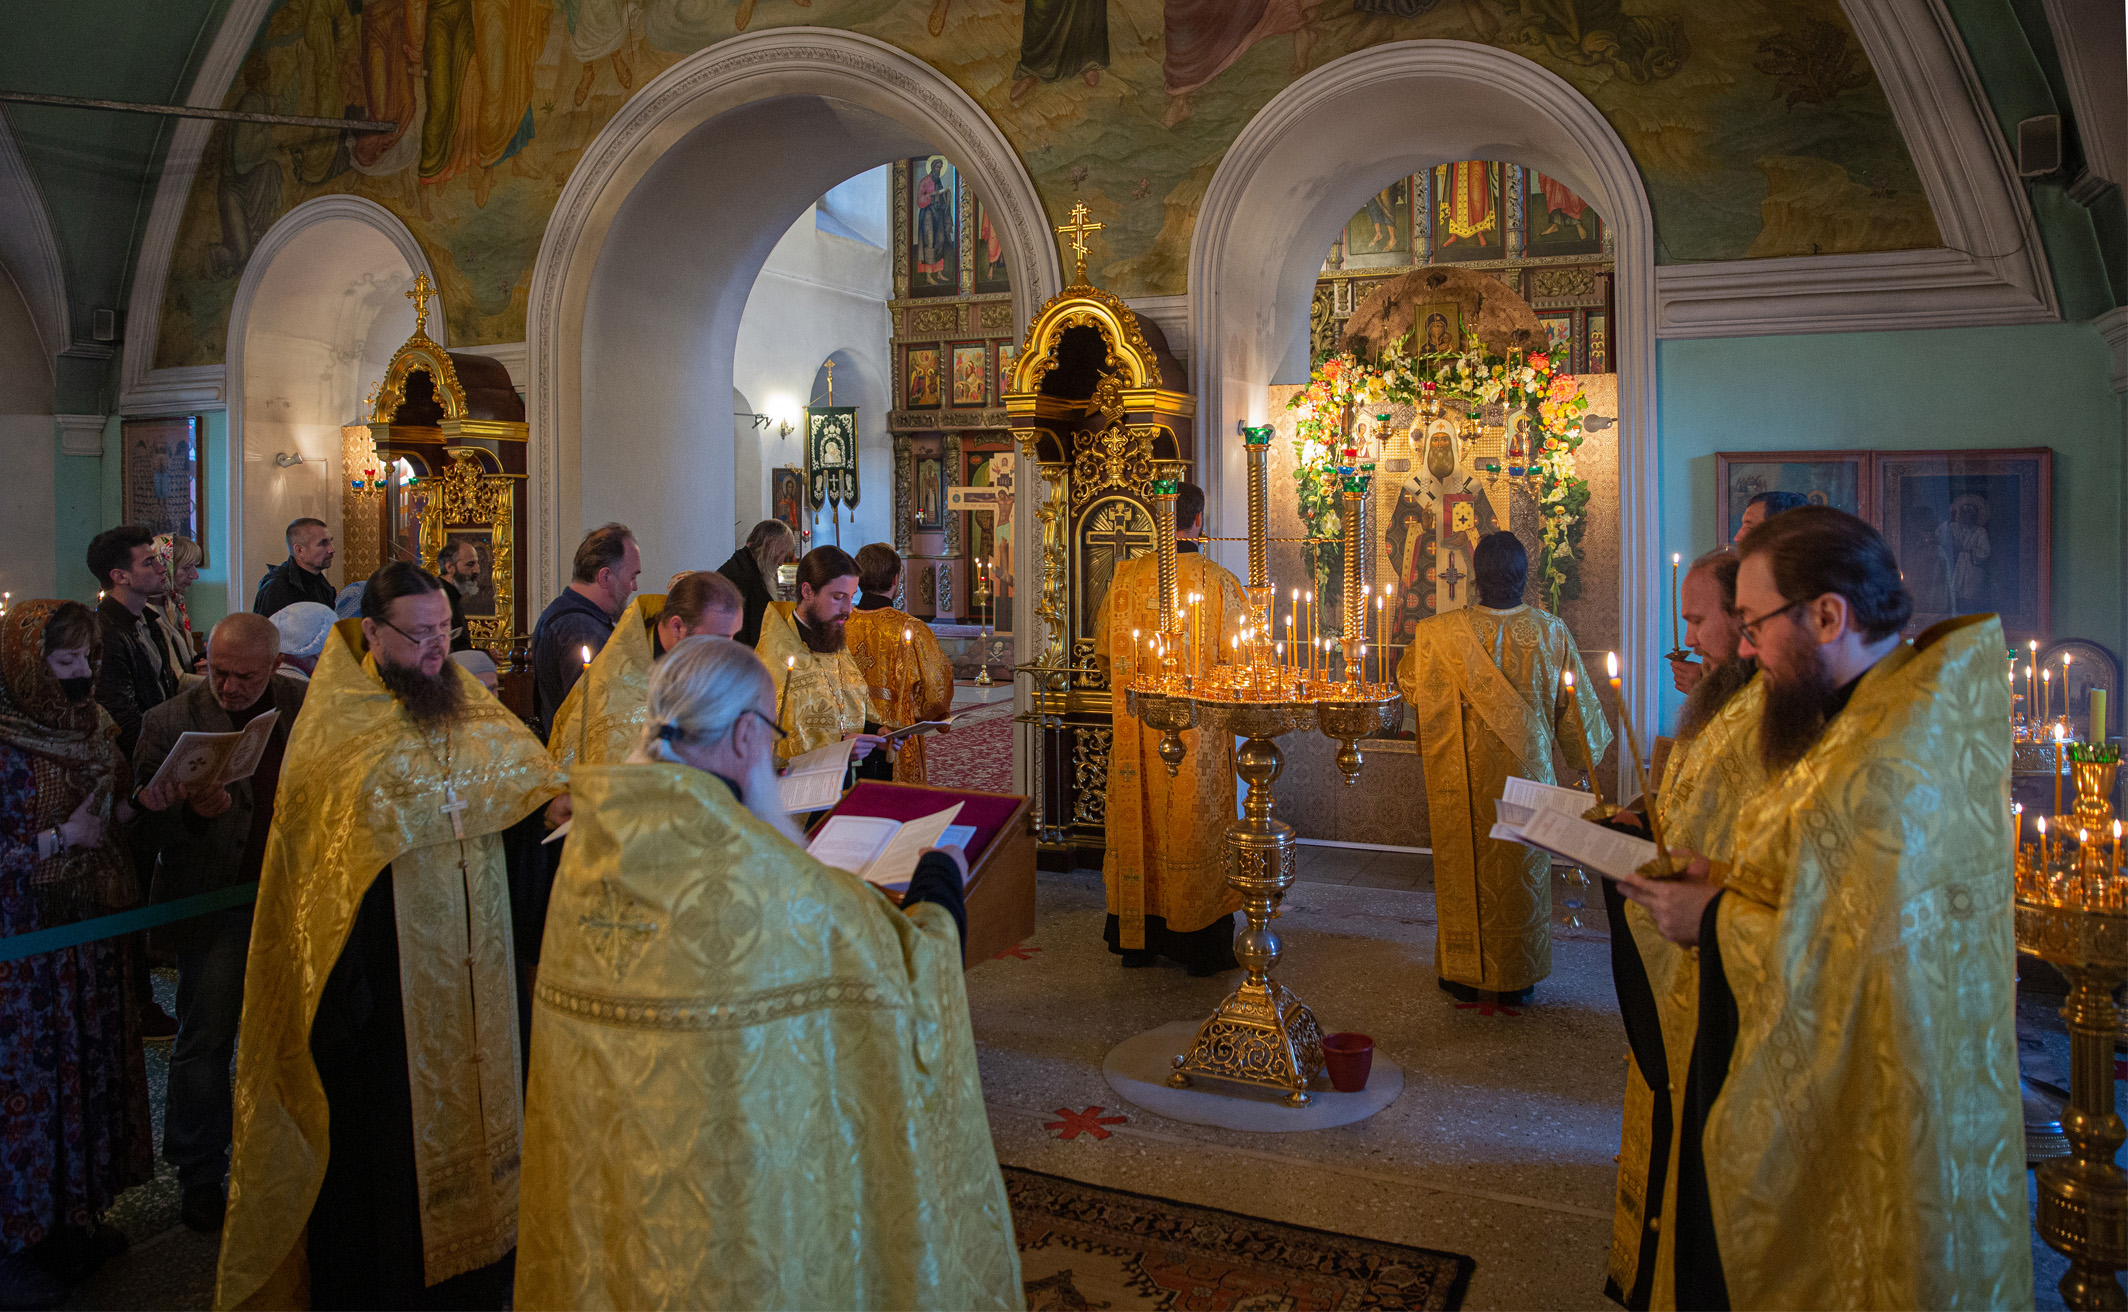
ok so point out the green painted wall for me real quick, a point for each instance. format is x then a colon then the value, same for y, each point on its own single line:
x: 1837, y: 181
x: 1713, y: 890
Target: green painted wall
x: 2044, y: 385
x: 88, y: 501
x: 78, y: 513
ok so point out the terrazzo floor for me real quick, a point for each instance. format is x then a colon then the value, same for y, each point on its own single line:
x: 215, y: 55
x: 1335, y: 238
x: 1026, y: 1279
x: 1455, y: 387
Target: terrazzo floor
x: 1500, y: 1146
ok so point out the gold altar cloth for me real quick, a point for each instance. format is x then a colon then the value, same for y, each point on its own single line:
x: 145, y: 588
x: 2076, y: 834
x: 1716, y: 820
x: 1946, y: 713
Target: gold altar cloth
x: 1867, y: 1149
x: 361, y: 789
x: 825, y: 697
x: 753, y: 1079
x: 1490, y: 702
x: 1709, y: 780
x: 905, y: 682
x: 616, y: 688
x: 1166, y: 846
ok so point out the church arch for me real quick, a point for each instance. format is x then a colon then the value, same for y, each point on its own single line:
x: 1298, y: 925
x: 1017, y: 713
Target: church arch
x: 648, y: 259
x: 1299, y: 170
x: 317, y: 316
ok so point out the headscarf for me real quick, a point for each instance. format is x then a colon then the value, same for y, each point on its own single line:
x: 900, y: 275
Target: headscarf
x: 348, y: 603
x: 164, y: 552
x: 304, y: 626
x: 73, y: 750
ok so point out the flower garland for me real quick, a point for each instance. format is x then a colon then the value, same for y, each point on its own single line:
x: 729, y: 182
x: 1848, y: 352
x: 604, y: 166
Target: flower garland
x: 1343, y: 386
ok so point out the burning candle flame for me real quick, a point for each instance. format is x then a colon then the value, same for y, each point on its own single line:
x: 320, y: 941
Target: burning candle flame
x: 1610, y: 664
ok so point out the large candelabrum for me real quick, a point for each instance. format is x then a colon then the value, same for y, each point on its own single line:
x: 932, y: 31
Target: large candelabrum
x: 1260, y: 690
x: 2072, y: 910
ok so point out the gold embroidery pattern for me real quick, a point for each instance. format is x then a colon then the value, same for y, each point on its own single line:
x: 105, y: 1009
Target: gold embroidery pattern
x: 708, y: 1014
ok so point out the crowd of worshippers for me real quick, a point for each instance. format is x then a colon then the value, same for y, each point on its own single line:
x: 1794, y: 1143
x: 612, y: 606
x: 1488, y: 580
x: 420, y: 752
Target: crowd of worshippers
x: 557, y: 1012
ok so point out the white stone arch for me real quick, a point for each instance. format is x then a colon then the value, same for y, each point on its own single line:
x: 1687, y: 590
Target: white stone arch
x: 318, y: 313
x: 647, y: 260
x: 1299, y: 170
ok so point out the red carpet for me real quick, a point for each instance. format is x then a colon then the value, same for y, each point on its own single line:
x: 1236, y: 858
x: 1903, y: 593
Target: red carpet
x: 976, y: 755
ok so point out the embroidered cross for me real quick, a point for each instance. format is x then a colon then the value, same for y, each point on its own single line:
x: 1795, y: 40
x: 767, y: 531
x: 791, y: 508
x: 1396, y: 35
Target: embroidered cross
x: 1453, y: 576
x: 454, y: 806
x: 1089, y: 1121
x: 619, y: 930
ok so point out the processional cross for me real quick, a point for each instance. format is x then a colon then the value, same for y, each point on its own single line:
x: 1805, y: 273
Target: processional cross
x: 422, y: 290
x: 1077, y: 230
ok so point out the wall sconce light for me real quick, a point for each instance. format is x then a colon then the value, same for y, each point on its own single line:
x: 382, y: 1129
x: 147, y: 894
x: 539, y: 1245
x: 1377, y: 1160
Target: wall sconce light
x: 285, y: 460
x: 783, y: 412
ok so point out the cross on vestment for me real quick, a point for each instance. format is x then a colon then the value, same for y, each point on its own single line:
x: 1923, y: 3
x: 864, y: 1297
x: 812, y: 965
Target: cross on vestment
x: 454, y: 806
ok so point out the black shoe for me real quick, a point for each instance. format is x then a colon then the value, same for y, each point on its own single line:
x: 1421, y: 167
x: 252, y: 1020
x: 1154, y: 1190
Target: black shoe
x: 1518, y: 998
x: 155, y: 1023
x: 1139, y: 960
x: 1203, y: 969
x: 203, y: 1207
x: 1462, y: 992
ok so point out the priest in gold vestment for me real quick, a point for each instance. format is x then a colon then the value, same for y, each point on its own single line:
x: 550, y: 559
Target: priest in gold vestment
x: 1712, y: 773
x: 906, y: 676
x: 1485, y: 681
x: 1856, y: 1050
x: 378, y: 1119
x: 699, y: 603
x: 1167, y: 856
x: 820, y: 691
x: 753, y: 1079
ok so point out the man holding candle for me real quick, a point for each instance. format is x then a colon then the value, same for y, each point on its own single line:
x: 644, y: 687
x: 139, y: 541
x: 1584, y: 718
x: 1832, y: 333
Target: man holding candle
x: 1166, y: 861
x: 907, y: 677
x: 617, y: 685
x: 1854, y: 1084
x: 820, y: 691
x: 1485, y: 681
x: 602, y: 578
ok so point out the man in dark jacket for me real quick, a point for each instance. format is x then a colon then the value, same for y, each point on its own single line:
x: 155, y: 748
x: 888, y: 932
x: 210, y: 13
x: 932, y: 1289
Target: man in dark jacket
x: 581, y: 618
x: 752, y: 568
x: 132, y: 679
x: 215, y: 838
x: 302, y: 576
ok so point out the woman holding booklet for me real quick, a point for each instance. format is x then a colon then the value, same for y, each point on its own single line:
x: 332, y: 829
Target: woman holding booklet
x: 740, y: 1053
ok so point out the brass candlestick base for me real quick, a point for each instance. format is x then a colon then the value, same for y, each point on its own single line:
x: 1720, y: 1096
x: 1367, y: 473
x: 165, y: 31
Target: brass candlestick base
x: 1262, y: 1034
x: 2083, y: 1198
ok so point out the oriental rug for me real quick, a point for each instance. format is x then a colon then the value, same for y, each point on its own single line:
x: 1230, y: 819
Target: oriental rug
x: 977, y: 755
x: 1084, y: 1247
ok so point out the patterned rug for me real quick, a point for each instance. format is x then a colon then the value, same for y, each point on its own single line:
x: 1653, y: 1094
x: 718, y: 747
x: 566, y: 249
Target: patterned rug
x: 1086, y: 1247
x: 977, y: 754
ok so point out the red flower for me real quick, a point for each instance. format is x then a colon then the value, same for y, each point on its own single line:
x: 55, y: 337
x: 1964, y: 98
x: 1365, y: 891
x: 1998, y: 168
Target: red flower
x: 1540, y: 361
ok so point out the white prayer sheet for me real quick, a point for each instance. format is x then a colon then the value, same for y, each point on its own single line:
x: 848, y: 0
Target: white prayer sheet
x: 813, y: 780
x: 200, y: 761
x: 882, y: 851
x: 1605, y: 851
x: 1530, y: 793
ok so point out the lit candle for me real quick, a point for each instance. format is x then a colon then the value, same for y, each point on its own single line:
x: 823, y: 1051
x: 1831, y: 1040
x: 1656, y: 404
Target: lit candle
x: 2065, y: 685
x: 790, y: 665
x: 1381, y: 617
x: 1677, y: 604
x: 583, y: 712
x: 2032, y: 685
x: 1363, y: 666
x: 2057, y: 768
x: 1610, y: 667
x: 2041, y: 825
x: 1308, y: 623
x: 2046, y: 693
x: 2114, y: 867
x: 1566, y: 680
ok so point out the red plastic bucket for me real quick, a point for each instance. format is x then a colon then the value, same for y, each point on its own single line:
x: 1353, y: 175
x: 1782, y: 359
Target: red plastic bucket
x: 1349, y: 1057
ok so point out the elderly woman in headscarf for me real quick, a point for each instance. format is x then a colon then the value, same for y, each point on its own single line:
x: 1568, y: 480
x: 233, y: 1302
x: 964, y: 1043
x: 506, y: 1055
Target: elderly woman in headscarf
x: 180, y: 559
x: 76, y: 1132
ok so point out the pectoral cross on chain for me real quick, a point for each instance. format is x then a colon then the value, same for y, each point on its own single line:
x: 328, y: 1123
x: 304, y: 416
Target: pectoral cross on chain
x: 454, y: 806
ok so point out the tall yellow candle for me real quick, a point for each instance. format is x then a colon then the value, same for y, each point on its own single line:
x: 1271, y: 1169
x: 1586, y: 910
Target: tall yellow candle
x: 2098, y: 715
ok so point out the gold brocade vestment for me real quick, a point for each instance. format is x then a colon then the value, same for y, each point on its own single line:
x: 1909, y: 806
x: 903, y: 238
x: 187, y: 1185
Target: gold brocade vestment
x: 1867, y: 1147
x: 753, y: 1079
x: 820, y: 697
x: 1166, y: 841
x: 616, y: 691
x: 1485, y: 684
x: 1711, y: 777
x: 362, y: 788
x: 906, y: 682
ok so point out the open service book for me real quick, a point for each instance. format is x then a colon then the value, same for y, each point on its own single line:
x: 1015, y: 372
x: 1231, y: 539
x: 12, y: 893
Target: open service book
x: 898, y: 734
x: 204, y: 760
x: 1547, y: 817
x: 813, y: 780
x: 882, y: 851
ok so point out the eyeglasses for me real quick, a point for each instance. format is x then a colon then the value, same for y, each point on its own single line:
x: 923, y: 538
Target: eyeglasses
x: 421, y: 637
x: 1750, y: 628
x: 773, y: 727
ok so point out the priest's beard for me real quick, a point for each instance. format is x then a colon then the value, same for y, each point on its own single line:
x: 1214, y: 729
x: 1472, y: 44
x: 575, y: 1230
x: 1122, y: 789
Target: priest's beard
x: 1723, y: 680
x: 824, y: 638
x: 1796, y: 698
x: 762, y: 792
x: 428, y: 698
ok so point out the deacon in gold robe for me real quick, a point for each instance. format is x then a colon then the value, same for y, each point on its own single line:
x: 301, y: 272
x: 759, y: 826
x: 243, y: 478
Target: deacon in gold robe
x: 906, y: 676
x: 753, y: 1079
x: 1167, y: 856
x: 698, y: 603
x: 820, y: 691
x: 377, y: 1124
x: 1856, y: 1047
x: 1712, y: 773
x: 1485, y: 681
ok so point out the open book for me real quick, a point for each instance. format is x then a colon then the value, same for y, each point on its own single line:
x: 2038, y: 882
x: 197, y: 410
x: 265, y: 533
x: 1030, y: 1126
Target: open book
x: 1563, y: 833
x: 200, y: 761
x: 813, y: 780
x: 882, y: 851
x: 896, y: 735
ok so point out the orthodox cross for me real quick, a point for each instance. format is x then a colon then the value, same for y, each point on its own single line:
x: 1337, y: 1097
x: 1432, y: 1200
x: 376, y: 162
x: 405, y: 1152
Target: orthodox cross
x: 422, y: 290
x: 454, y: 806
x: 619, y: 929
x: 1077, y: 230
x: 1452, y: 576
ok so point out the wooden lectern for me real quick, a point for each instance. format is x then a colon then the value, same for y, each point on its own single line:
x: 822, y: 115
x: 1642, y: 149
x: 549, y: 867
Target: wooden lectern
x: 1000, y: 891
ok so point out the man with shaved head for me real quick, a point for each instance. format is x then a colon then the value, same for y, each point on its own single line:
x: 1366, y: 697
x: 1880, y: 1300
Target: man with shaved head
x: 213, y: 838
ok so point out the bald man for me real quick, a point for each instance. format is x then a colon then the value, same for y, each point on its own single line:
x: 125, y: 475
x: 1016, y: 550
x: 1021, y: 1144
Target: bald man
x: 212, y: 839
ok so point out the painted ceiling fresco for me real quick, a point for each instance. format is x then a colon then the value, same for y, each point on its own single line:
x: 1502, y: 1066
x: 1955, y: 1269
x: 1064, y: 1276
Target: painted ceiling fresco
x: 1757, y: 124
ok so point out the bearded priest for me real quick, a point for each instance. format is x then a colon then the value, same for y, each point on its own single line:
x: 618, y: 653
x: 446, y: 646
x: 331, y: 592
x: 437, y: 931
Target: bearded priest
x: 378, y: 1108
x: 820, y: 691
x: 698, y: 603
x: 753, y: 1079
x: 906, y: 676
x: 1487, y: 684
x: 1856, y: 1048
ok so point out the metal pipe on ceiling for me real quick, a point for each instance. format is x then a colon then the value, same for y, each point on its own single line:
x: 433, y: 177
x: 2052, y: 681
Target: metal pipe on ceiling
x: 190, y: 111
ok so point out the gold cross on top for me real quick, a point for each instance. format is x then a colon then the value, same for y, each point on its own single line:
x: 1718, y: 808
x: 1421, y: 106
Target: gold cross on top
x: 423, y: 289
x: 1077, y: 230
